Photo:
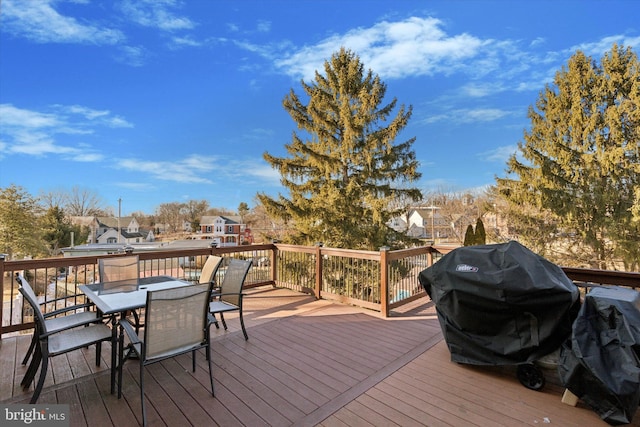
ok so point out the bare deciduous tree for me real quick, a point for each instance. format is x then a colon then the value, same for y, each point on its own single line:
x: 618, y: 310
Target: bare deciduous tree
x: 83, y: 202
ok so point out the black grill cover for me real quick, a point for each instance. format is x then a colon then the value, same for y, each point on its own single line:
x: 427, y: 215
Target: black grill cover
x: 500, y: 304
x: 600, y: 362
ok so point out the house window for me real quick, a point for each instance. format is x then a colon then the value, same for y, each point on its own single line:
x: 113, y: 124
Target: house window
x: 112, y: 240
x: 230, y: 229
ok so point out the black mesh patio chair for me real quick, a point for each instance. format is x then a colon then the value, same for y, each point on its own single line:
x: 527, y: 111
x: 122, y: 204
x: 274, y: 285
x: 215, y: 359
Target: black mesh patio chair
x: 208, y: 276
x: 121, y: 272
x: 176, y: 323
x: 121, y: 269
x: 210, y: 269
x: 61, y: 318
x: 229, y: 298
x: 54, y: 343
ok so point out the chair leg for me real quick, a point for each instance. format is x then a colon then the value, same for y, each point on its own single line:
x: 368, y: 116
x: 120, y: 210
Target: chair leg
x: 120, y: 363
x: 213, y: 392
x: 136, y: 318
x: 98, y: 353
x: 144, y: 411
x: 31, y: 372
x: 43, y: 374
x: 223, y: 322
x: 34, y: 340
x: 244, y: 331
x: 215, y: 321
x: 32, y: 369
x: 193, y: 360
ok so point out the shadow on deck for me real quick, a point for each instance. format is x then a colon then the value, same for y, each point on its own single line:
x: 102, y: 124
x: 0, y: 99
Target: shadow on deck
x: 306, y: 363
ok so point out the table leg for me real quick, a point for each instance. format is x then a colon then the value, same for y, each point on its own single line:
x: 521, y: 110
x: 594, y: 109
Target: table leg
x: 114, y: 352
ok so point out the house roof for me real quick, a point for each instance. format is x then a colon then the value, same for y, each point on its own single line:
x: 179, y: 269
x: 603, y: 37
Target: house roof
x: 424, y: 213
x: 416, y: 231
x: 228, y: 219
x: 82, y: 220
x: 112, y: 222
x: 233, y: 219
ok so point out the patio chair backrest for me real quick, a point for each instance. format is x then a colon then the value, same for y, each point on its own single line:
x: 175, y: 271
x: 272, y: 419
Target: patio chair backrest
x: 209, y: 270
x: 233, y: 281
x: 28, y: 294
x: 175, y: 320
x: 122, y: 269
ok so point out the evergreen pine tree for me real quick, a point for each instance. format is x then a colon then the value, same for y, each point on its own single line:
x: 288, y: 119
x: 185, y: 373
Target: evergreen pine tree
x: 480, y: 235
x: 469, y: 236
x: 577, y: 172
x: 344, y: 169
x: 19, y: 233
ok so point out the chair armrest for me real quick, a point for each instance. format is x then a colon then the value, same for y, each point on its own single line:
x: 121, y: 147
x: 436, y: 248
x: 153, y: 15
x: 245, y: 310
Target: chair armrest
x: 128, y: 328
x: 62, y: 298
x: 64, y: 309
x: 230, y: 293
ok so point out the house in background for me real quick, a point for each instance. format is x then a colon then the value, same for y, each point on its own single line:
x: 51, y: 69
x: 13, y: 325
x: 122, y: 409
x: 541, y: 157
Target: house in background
x: 399, y: 224
x: 424, y: 223
x: 224, y: 230
x: 121, y: 230
x: 114, y: 230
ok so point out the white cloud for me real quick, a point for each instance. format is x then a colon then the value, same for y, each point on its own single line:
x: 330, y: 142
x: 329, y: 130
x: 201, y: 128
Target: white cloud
x: 264, y: 26
x: 467, y: 115
x: 134, y: 56
x: 17, y: 117
x: 156, y: 14
x: 184, y: 41
x: 192, y: 169
x: 40, y: 22
x: 36, y: 132
x: 138, y: 186
x: 87, y: 157
x: 599, y: 47
x: 256, y: 168
x: 479, y: 90
x: 102, y: 117
x: 499, y: 154
x: 413, y: 47
x: 202, y: 169
x: 537, y: 41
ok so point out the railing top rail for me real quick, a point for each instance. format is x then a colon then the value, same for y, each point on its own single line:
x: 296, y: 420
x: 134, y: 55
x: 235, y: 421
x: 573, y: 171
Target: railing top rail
x: 351, y: 253
x: 24, y: 264
x: 296, y: 248
x: 589, y: 275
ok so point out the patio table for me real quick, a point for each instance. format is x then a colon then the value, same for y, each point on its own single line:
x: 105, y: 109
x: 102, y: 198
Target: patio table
x: 117, y: 298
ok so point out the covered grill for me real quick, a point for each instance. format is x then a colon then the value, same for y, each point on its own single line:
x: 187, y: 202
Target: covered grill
x: 600, y: 363
x: 501, y: 304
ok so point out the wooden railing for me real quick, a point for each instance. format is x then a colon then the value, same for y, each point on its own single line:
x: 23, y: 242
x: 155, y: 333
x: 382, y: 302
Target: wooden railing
x: 377, y: 280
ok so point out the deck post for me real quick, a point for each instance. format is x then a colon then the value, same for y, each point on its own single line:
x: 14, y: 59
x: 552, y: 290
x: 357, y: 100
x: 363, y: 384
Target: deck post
x: 318, y: 270
x: 2, y: 258
x: 274, y: 267
x: 430, y: 256
x: 384, y: 281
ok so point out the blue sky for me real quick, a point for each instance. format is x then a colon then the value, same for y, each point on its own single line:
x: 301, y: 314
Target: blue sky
x: 158, y: 101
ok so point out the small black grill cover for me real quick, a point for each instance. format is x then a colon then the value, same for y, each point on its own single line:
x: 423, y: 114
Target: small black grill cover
x: 599, y: 363
x: 500, y: 304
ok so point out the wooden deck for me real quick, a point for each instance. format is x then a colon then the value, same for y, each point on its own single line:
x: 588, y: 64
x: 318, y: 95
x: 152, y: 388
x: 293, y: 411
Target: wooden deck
x: 307, y: 363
